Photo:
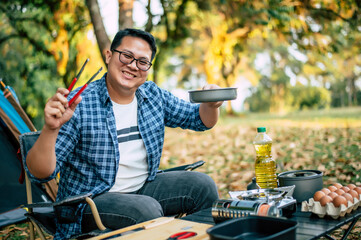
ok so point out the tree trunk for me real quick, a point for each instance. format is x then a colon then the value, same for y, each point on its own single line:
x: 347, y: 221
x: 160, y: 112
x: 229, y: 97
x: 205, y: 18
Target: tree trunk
x: 349, y: 92
x: 125, y: 14
x: 354, y: 90
x: 342, y: 98
x: 149, y: 25
x: 98, y: 25
x: 156, y: 65
x: 278, y: 99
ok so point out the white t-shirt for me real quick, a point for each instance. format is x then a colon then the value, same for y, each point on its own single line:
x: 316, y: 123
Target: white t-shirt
x: 133, y: 167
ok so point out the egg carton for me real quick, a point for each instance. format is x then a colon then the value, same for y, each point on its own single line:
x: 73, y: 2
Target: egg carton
x: 329, y: 209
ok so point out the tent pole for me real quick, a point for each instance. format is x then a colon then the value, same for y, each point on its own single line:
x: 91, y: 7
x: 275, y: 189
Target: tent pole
x: 30, y: 201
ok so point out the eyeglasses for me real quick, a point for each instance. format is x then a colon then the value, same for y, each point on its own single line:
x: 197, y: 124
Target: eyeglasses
x: 127, y: 58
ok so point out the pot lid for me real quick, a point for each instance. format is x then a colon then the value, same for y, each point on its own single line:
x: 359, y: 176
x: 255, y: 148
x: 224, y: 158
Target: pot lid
x: 301, y: 174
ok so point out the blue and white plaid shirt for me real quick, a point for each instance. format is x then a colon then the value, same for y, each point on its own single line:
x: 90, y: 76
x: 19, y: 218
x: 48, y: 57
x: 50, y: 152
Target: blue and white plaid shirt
x: 87, y: 146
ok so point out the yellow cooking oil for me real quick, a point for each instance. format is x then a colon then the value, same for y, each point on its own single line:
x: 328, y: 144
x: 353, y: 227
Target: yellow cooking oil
x: 265, y: 166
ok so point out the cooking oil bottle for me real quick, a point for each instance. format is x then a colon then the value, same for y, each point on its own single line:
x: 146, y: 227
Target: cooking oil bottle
x: 265, y: 166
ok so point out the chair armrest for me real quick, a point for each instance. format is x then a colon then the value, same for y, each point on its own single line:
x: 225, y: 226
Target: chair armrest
x: 72, y: 200
x: 188, y: 167
x: 195, y: 165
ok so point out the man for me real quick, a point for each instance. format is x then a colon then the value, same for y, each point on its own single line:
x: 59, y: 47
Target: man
x: 109, y: 143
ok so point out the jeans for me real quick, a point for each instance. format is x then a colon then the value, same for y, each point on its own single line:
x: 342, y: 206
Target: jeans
x: 169, y: 194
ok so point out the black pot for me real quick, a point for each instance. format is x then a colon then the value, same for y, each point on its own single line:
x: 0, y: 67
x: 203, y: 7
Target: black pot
x: 307, y: 182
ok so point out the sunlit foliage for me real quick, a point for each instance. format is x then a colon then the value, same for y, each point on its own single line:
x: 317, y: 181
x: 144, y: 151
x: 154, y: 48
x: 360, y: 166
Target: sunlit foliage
x: 43, y: 45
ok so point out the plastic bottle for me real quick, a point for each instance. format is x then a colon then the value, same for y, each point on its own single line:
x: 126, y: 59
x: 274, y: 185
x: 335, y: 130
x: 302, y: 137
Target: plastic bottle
x: 265, y: 166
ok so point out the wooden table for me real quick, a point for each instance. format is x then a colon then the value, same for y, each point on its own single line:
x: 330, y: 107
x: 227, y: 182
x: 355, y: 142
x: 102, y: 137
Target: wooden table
x: 309, y: 225
x: 160, y: 228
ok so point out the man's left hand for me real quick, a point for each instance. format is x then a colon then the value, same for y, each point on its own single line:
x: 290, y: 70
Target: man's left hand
x: 212, y: 104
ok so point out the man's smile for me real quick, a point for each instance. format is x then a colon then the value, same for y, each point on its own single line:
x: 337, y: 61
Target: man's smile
x: 128, y: 74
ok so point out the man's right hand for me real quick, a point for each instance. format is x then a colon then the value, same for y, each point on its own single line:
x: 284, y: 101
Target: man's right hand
x: 57, y: 112
x: 41, y: 159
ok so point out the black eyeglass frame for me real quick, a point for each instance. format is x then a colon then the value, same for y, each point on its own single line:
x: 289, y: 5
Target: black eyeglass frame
x: 137, y: 60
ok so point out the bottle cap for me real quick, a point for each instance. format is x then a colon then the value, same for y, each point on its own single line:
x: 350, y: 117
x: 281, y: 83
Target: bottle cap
x: 261, y: 129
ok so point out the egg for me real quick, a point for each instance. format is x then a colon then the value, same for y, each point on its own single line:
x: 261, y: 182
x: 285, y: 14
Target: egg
x: 339, y: 200
x: 325, y: 199
x: 332, y: 195
x: 318, y: 195
x: 332, y: 188
x: 348, y: 197
x: 358, y: 190
x: 338, y: 185
x: 326, y: 190
x: 354, y: 194
x: 351, y: 186
x: 346, y: 189
x: 340, y: 191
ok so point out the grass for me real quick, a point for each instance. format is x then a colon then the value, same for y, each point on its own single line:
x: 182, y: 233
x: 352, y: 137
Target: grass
x: 336, y: 117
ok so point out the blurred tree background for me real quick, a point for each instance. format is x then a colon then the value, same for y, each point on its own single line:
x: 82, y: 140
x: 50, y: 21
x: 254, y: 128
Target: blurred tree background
x: 291, y: 55
x: 284, y: 56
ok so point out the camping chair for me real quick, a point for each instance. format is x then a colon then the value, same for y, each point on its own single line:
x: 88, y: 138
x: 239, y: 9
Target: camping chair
x: 42, y: 215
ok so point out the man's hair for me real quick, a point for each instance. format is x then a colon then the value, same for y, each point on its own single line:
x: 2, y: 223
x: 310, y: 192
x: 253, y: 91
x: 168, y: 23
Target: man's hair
x: 134, y: 33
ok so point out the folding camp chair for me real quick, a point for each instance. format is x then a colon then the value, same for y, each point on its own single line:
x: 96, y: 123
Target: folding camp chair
x: 42, y: 215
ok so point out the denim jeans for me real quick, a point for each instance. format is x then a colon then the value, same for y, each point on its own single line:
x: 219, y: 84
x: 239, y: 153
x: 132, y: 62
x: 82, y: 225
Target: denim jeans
x: 169, y: 194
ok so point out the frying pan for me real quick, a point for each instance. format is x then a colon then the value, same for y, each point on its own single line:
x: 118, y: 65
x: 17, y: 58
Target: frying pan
x: 212, y: 95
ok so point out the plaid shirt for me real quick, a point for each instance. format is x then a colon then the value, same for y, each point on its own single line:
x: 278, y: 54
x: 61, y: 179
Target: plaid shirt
x: 87, y: 147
